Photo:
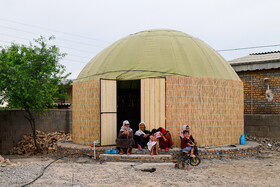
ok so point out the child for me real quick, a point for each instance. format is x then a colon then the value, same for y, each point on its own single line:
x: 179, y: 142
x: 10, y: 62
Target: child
x: 153, y: 143
x: 187, y: 144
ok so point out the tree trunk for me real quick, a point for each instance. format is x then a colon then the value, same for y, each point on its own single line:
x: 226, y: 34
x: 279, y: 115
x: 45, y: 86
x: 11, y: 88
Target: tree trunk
x: 31, y: 120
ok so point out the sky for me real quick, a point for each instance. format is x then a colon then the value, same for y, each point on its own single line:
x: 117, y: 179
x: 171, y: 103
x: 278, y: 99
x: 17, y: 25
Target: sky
x: 84, y: 28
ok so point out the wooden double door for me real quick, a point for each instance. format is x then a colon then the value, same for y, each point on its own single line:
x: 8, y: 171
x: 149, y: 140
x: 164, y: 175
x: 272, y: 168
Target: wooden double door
x: 152, y: 93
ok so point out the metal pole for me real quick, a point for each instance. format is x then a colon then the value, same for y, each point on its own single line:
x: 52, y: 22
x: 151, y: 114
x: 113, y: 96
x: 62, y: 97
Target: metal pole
x: 252, y: 101
x: 94, y: 150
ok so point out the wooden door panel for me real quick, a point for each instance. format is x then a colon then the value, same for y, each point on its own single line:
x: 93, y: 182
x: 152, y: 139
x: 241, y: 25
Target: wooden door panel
x: 108, y: 95
x: 108, y: 112
x: 108, y: 128
x: 153, y: 102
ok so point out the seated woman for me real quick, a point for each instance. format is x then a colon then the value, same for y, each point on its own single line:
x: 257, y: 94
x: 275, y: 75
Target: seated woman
x: 125, y: 139
x: 165, y: 141
x: 142, y: 136
x: 183, y: 129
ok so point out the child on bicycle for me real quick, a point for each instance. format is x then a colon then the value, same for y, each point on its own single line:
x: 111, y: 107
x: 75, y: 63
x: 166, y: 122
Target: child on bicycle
x: 187, y: 145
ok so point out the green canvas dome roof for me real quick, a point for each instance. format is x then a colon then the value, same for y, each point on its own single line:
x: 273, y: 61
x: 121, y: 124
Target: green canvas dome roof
x: 157, y: 53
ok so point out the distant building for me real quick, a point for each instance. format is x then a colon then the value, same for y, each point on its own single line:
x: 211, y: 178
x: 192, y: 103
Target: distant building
x: 260, y: 73
x: 66, y: 102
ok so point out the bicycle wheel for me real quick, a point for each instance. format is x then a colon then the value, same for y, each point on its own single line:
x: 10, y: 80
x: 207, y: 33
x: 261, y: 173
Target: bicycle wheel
x: 181, y: 162
x: 195, y: 161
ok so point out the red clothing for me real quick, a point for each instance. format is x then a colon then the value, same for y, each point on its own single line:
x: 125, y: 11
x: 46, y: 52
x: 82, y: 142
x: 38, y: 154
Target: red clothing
x: 185, y: 142
x: 168, y: 143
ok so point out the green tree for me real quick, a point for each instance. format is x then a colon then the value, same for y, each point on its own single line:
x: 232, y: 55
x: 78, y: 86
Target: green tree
x: 31, y: 78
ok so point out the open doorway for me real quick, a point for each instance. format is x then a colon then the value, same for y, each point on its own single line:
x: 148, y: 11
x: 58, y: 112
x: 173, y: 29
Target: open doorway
x: 128, y: 103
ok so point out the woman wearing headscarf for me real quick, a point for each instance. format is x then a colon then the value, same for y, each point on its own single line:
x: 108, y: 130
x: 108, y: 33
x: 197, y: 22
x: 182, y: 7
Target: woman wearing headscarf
x: 183, y: 129
x: 165, y: 141
x: 125, y: 139
x: 142, y: 136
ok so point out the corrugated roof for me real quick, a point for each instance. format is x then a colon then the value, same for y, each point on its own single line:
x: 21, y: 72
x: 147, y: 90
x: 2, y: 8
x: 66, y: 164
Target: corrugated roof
x: 257, y: 61
x: 157, y: 53
x: 258, y: 57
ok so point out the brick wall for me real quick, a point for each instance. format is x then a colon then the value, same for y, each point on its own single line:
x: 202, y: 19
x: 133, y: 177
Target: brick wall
x: 13, y: 125
x: 254, y: 91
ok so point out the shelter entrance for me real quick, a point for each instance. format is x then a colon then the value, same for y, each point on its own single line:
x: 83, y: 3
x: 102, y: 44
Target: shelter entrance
x: 132, y: 100
x: 128, y: 103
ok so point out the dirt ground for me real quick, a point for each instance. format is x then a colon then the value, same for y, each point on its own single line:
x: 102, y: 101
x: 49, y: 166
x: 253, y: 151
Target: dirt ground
x: 263, y: 170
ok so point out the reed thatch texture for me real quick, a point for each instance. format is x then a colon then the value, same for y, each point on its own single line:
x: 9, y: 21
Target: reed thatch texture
x: 212, y: 107
x: 86, y: 112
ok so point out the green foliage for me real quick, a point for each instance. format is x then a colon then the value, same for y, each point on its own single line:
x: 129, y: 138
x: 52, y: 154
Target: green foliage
x: 30, y: 76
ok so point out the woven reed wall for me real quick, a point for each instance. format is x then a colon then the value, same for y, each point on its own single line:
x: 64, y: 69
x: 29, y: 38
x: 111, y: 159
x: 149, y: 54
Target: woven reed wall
x: 212, y: 107
x: 86, y: 112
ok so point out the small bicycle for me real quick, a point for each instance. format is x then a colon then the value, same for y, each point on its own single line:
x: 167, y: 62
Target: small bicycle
x: 185, y: 160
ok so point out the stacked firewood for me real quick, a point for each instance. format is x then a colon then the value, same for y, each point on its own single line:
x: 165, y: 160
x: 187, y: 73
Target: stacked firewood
x: 46, y: 141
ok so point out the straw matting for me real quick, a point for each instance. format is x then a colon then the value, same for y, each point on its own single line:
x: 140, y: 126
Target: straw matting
x: 212, y: 107
x: 86, y: 112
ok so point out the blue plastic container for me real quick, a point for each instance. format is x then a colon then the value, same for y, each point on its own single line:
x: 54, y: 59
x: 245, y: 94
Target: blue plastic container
x: 114, y: 151
x: 243, y: 139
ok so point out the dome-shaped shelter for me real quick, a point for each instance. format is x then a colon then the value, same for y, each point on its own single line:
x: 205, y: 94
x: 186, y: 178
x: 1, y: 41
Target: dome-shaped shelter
x: 165, y: 78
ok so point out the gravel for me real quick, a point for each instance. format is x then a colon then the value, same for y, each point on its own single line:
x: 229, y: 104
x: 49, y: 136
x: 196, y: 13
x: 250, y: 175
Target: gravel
x: 266, y: 144
x: 260, y: 171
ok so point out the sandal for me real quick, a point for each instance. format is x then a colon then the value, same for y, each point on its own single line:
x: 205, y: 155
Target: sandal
x: 121, y: 153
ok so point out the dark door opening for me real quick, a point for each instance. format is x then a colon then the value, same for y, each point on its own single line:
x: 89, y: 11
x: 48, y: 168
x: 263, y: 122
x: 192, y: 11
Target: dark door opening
x: 128, y: 103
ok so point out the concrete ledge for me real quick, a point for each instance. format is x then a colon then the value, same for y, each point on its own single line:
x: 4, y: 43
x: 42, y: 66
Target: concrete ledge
x: 135, y: 158
x: 250, y: 149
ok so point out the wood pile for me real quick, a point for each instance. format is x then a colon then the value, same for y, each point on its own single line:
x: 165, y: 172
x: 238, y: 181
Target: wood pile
x: 46, y: 141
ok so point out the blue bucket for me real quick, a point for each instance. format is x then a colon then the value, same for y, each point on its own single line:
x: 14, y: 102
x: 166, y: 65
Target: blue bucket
x: 243, y: 139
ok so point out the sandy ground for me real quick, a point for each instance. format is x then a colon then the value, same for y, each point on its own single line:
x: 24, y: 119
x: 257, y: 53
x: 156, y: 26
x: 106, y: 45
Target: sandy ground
x: 262, y: 171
